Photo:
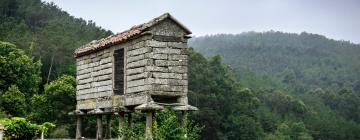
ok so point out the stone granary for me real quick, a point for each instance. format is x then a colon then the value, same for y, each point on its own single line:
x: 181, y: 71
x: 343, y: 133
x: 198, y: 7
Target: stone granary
x: 142, y: 69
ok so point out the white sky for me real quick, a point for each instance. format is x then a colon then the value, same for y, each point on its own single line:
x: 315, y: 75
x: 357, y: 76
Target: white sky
x: 337, y: 19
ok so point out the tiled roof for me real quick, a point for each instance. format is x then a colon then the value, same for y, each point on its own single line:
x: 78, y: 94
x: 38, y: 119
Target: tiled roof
x: 134, y: 31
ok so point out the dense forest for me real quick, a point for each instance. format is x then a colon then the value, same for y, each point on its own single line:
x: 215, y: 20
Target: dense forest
x: 299, y: 79
x: 271, y: 85
x: 46, y: 33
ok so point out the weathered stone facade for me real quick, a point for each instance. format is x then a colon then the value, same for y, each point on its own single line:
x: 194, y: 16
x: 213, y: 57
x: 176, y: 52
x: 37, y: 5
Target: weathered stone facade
x: 155, y: 64
x: 94, y: 80
x: 144, y: 68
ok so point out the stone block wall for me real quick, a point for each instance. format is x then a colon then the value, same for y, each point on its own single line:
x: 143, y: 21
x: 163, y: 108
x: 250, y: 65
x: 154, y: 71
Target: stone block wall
x: 94, y: 80
x: 157, y: 67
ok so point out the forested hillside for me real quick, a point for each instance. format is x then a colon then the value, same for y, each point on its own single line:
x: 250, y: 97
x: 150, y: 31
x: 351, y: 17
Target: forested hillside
x: 297, y: 78
x: 272, y: 86
x: 46, y: 33
x: 305, y: 60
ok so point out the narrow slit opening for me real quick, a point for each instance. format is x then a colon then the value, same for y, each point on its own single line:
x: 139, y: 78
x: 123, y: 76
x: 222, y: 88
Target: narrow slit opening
x: 119, y: 72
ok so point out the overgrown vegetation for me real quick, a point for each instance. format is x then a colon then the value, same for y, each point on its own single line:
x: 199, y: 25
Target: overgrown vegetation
x: 18, y: 128
x: 47, y: 34
x: 167, y: 126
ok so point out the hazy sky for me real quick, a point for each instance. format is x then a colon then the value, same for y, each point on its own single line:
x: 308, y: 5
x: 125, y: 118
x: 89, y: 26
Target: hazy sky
x: 337, y: 19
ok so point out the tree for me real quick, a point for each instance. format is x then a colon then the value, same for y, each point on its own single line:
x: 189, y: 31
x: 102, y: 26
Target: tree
x: 243, y: 127
x: 59, y: 99
x: 18, y: 69
x: 243, y: 121
x: 294, y: 131
x: 19, y: 129
x: 299, y: 132
x: 284, y: 104
x: 13, y: 101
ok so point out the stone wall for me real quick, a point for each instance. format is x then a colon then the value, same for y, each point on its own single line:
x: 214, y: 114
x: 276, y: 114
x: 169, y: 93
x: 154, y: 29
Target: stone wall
x: 157, y: 67
x: 94, y: 80
x: 168, y: 28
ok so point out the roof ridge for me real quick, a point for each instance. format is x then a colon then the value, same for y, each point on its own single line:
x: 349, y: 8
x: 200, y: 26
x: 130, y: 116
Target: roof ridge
x: 102, y: 43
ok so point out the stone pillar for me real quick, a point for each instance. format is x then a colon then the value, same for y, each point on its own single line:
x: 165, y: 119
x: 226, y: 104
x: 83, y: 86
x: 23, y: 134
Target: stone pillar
x: 108, y: 127
x: 184, y: 117
x: 99, y: 132
x: 149, y: 125
x: 129, y: 120
x: 78, y: 127
x: 184, y: 120
x: 1, y: 131
x: 121, y: 124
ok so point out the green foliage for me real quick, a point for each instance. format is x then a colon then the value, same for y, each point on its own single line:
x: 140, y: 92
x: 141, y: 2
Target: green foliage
x: 243, y: 127
x: 243, y: 122
x: 19, y: 129
x: 3, y: 114
x: 167, y: 126
x: 296, y: 131
x: 136, y: 131
x: 299, y: 132
x: 44, y: 31
x: 59, y: 132
x: 226, y: 110
x: 304, y: 82
x: 285, y: 104
x: 18, y: 69
x: 44, y: 128
x: 299, y: 62
x: 344, y: 103
x: 13, y: 101
x: 58, y: 100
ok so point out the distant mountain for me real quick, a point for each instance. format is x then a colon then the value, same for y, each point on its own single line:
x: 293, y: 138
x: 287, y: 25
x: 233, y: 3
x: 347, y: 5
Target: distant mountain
x: 304, y: 61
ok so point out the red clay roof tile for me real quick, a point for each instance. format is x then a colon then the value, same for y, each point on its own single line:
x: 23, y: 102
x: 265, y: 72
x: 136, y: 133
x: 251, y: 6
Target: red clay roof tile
x: 134, y: 31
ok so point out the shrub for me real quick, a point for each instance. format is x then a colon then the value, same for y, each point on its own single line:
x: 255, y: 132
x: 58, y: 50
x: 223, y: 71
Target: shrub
x: 18, y: 128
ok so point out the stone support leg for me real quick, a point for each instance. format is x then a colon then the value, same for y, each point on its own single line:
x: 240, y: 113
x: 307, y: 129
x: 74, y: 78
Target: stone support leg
x: 184, y: 120
x: 108, y: 127
x: 149, y: 125
x: 129, y: 120
x: 78, y: 127
x: 121, y: 124
x: 99, y: 132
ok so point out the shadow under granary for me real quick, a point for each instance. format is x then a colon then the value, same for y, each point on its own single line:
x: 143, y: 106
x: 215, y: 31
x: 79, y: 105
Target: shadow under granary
x: 141, y: 69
